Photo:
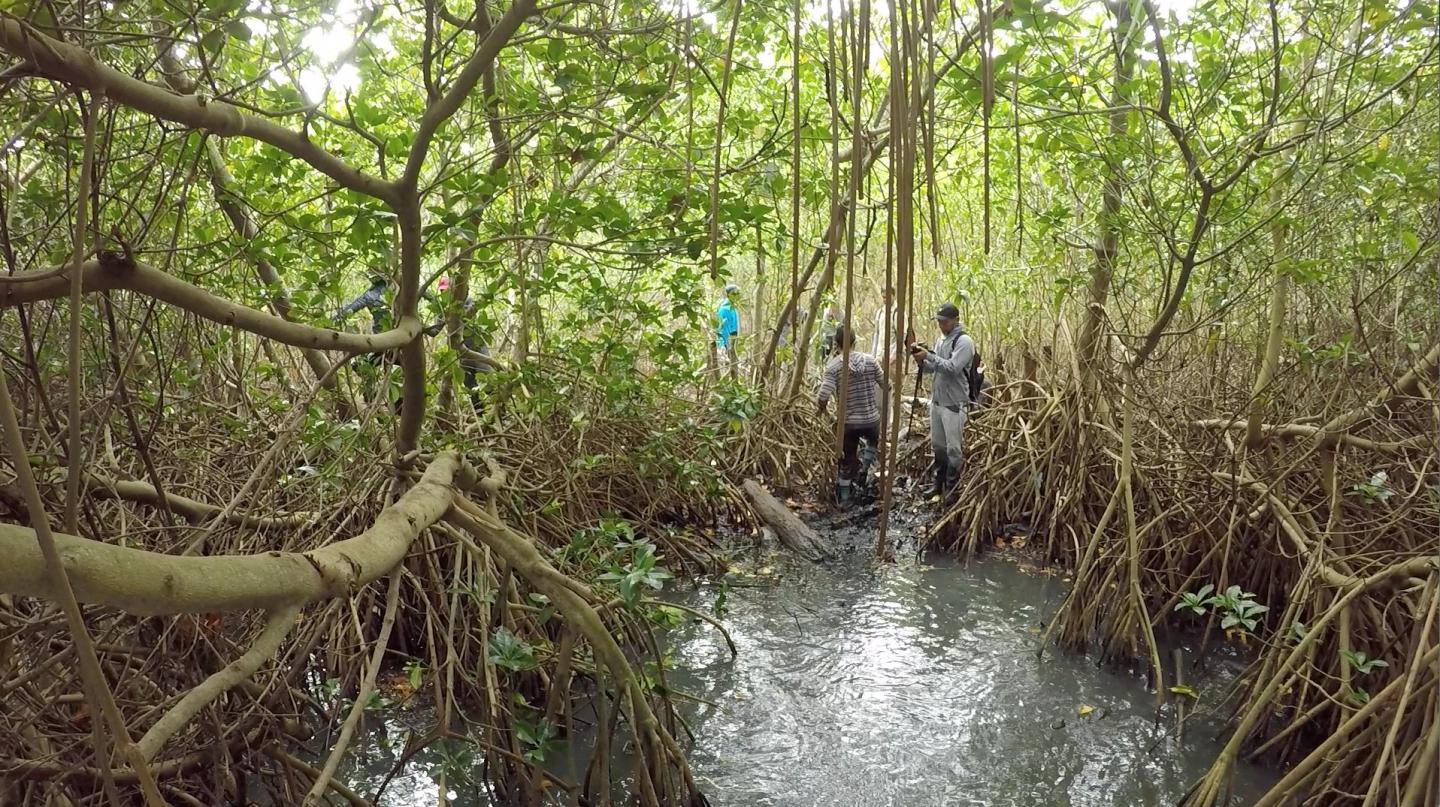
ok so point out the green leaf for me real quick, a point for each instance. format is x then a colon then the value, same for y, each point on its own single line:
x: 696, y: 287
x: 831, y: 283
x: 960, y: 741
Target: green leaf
x: 510, y: 652
x: 213, y: 40
x: 238, y: 29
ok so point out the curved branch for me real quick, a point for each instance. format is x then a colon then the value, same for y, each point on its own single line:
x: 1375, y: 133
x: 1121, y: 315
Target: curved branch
x: 1411, y: 567
x: 112, y: 272
x: 152, y: 583
x: 222, y: 681
x: 1296, y: 430
x: 79, y: 68
x: 1167, y: 84
x: 1407, y: 384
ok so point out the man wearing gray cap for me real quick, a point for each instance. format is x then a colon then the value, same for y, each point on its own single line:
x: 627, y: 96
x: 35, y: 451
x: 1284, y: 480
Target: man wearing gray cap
x: 950, y: 362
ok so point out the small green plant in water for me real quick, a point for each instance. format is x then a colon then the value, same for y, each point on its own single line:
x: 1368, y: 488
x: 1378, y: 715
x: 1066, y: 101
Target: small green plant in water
x: 456, y: 759
x: 1238, y: 607
x: 539, y: 739
x: 415, y: 674
x: 720, y: 607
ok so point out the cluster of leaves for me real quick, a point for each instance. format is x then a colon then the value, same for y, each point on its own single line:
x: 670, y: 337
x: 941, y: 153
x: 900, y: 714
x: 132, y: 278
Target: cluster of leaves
x: 1376, y: 489
x: 1237, y: 607
x: 1361, y: 665
x: 636, y: 571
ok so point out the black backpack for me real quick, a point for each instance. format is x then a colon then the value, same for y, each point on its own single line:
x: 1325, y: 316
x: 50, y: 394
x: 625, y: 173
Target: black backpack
x: 974, y: 376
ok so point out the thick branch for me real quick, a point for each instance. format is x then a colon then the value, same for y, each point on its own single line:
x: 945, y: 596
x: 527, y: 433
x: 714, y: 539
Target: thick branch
x: 113, y: 272
x: 77, y: 67
x: 152, y: 583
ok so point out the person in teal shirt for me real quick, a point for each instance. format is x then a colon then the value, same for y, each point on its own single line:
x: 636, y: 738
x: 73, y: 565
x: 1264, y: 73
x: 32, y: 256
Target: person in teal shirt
x: 728, y: 326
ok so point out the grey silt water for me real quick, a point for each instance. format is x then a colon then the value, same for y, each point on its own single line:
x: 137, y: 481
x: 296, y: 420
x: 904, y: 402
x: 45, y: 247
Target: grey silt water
x: 914, y: 683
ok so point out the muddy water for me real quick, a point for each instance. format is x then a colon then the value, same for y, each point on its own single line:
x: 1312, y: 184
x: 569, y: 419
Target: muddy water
x: 907, y: 684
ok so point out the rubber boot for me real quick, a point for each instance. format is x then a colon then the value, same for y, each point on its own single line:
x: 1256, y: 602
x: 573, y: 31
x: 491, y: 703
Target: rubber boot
x: 942, y: 472
x: 952, y: 482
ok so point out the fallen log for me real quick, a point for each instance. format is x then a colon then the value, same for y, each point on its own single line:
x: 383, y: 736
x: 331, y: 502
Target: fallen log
x: 793, y: 533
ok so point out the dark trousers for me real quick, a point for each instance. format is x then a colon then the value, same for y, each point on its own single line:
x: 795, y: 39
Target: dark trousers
x: 850, y: 446
x: 473, y: 387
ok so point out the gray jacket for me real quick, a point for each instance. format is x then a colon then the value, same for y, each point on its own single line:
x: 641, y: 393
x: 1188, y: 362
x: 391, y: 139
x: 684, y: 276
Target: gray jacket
x: 949, y: 362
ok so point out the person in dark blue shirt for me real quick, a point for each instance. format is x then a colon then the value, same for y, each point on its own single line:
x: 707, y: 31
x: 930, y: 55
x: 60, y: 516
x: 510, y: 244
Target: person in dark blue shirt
x: 375, y: 300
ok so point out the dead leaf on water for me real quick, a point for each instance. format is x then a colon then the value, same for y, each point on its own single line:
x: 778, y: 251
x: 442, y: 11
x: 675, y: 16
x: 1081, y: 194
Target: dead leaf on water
x: 1084, y: 709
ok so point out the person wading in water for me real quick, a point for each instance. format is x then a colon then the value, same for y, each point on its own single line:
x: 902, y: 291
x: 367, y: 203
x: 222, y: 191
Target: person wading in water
x: 950, y: 361
x: 862, y: 407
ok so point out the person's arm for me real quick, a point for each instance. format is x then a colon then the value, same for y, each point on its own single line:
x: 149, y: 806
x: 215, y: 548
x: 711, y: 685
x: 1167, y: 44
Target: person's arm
x: 365, y: 300
x: 959, y: 360
x: 829, y: 380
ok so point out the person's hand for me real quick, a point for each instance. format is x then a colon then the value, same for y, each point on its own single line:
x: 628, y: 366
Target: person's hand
x: 919, y: 352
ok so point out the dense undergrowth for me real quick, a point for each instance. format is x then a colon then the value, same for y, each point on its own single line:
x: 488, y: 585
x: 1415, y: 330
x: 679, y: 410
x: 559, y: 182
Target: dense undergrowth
x: 621, y: 486
x: 1327, y: 527
x: 1196, y: 243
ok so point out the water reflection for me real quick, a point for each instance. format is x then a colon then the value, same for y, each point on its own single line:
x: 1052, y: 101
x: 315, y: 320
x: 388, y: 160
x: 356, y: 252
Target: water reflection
x: 901, y: 685
x: 919, y: 686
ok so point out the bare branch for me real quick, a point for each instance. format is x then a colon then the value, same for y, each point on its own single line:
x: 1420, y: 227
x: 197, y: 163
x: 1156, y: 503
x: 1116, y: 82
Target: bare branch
x: 114, y: 272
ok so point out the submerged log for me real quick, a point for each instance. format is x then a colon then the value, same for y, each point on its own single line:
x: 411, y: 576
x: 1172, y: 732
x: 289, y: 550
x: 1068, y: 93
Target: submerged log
x: 793, y: 533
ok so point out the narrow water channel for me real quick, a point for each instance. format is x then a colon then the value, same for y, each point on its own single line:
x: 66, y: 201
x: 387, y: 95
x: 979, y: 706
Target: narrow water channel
x: 910, y: 684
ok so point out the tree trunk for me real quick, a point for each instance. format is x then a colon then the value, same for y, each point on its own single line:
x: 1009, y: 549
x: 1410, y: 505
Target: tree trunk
x: 1109, y: 241
x: 794, y: 533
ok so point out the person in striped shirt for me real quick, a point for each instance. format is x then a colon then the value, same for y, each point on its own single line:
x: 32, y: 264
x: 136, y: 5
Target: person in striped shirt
x: 862, y: 399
